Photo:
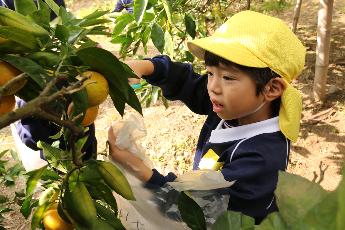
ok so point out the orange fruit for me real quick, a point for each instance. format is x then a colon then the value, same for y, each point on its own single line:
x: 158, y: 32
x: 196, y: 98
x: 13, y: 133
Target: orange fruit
x: 90, y: 114
x: 2, y: 40
x: 96, y: 86
x: 7, y: 72
x: 52, y: 221
x: 7, y: 104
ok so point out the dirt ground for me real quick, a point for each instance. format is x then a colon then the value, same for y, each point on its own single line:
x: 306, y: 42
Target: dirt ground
x: 172, y: 133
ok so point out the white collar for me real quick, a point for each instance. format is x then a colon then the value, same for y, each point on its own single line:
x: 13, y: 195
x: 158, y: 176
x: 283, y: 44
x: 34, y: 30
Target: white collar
x: 220, y: 135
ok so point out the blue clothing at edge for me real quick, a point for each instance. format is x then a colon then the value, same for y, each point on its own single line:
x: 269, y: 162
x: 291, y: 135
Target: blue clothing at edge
x: 124, y: 4
x: 252, y: 154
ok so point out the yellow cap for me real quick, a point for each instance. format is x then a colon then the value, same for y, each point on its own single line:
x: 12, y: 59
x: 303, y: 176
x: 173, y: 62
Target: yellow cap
x: 256, y: 40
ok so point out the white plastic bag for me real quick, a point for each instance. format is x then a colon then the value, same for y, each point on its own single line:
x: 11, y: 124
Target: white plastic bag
x: 128, y: 134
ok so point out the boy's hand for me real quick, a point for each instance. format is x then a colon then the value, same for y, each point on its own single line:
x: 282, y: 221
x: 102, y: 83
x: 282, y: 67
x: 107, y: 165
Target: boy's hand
x: 116, y: 154
x: 127, y: 159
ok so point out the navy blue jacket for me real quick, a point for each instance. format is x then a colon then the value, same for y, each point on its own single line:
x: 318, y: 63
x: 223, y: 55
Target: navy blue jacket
x: 124, y: 4
x: 252, y: 154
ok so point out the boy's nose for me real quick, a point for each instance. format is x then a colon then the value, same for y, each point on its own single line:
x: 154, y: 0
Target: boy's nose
x: 214, y: 85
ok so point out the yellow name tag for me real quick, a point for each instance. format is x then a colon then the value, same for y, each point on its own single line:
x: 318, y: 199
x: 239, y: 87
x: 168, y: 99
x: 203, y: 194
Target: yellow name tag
x: 210, y: 161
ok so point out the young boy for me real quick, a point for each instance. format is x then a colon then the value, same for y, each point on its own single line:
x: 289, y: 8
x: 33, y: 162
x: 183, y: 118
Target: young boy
x: 253, y: 111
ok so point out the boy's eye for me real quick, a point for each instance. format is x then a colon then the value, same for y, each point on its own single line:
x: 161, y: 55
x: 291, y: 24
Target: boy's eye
x: 228, y: 78
x: 209, y: 74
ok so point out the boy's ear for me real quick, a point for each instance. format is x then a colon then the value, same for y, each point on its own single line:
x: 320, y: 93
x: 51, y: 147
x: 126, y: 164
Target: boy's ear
x: 274, y: 89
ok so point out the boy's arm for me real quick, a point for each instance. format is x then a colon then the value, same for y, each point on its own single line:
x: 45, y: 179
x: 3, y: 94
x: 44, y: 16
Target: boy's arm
x: 177, y: 80
x: 135, y: 165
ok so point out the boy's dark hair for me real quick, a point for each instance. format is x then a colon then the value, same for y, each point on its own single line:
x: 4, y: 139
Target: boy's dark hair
x: 261, y: 76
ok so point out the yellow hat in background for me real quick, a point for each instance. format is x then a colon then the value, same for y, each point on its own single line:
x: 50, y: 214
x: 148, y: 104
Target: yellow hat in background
x: 256, y: 40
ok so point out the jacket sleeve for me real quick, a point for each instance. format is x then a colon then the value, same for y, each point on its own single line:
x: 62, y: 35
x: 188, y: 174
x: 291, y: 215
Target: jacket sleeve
x: 119, y: 6
x: 158, y: 180
x: 178, y: 81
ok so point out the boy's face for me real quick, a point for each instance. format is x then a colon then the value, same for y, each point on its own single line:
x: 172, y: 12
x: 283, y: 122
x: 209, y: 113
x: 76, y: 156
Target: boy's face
x: 233, y: 94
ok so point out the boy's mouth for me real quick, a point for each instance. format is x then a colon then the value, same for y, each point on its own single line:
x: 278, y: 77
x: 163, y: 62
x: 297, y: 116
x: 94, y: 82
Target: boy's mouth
x: 217, y: 107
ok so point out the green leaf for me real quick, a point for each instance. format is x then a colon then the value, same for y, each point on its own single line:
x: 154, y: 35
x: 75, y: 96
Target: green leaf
x: 31, y: 68
x: 67, y: 18
x: 80, y: 143
x: 25, y: 7
x: 22, y: 37
x: 157, y: 35
x: 14, y: 171
x: 234, y: 220
x: 155, y: 94
x: 272, y: 222
x: 320, y: 216
x: 169, y: 44
x: 109, y: 216
x: 49, y: 174
x: 38, y: 216
x: 3, y: 199
x: 107, y: 196
x: 121, y: 23
x: 111, y: 68
x: 69, y: 34
x: 2, y: 153
x: 14, y: 155
x: 120, y: 103
x: 133, y: 100
x: 46, y: 196
x: 295, y: 203
x: 120, y: 39
x: 139, y: 9
x: 53, y: 6
x: 96, y: 14
x: 34, y: 177
x: 80, y: 104
x: 26, y: 207
x: 99, y: 224
x: 167, y: 9
x: 53, y: 156
x: 146, y: 35
x: 101, y: 191
x: 191, y: 213
x: 42, y: 16
x: 190, y: 25
x: 341, y: 203
x: 4, y: 210
x: 92, y: 22
x: 99, y: 30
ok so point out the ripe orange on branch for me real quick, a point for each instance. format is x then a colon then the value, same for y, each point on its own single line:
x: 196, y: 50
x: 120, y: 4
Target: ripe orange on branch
x: 7, y: 72
x: 7, y: 104
x: 52, y: 221
x: 96, y: 86
x: 90, y: 114
x: 2, y: 40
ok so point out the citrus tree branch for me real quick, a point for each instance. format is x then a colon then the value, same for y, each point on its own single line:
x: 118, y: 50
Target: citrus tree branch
x: 5, y: 89
x: 34, y: 107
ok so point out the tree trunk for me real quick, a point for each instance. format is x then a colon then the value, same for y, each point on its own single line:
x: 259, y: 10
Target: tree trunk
x: 322, y: 48
x: 296, y: 15
x: 248, y: 4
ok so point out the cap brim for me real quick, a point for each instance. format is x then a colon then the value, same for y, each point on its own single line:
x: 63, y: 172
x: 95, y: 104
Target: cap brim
x: 226, y: 49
